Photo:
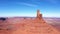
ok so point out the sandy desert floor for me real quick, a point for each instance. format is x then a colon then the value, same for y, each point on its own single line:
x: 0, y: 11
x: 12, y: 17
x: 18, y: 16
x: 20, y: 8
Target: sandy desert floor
x: 13, y: 24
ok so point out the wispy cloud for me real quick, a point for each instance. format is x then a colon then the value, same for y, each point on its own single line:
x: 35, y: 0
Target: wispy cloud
x: 28, y: 4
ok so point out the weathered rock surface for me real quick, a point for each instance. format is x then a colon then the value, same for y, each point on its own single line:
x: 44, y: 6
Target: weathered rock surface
x: 27, y: 26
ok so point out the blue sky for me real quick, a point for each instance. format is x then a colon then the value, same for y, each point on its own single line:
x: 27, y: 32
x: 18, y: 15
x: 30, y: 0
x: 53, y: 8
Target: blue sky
x: 11, y: 8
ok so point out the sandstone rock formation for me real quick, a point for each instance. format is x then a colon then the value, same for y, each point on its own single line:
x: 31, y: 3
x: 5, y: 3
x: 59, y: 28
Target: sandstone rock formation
x: 29, y: 26
x: 39, y: 16
x: 36, y: 26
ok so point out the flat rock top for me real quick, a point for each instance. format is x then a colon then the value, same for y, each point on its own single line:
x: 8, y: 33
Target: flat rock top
x: 28, y: 26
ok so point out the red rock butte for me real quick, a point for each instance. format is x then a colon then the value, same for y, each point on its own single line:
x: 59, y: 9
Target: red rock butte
x: 25, y: 25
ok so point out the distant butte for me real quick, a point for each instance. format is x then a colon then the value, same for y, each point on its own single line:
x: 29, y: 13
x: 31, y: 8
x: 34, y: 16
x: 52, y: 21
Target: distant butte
x: 23, y: 25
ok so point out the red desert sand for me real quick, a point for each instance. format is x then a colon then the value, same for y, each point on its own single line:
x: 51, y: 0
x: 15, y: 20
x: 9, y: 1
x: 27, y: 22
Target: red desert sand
x: 25, y: 25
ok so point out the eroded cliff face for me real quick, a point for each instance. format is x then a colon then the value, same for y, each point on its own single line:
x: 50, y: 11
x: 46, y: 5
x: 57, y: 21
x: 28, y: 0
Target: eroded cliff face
x: 24, y: 25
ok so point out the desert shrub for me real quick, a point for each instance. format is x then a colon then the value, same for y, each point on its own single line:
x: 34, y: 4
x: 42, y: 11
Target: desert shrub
x: 3, y: 19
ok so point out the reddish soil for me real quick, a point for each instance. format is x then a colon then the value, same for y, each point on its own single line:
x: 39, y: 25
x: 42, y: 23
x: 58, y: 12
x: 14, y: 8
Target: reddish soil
x: 27, y: 26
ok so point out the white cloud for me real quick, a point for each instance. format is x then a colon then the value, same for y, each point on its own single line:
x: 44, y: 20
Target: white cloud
x: 28, y: 4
